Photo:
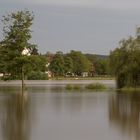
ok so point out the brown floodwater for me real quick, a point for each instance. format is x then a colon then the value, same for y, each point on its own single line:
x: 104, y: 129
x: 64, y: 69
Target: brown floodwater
x: 53, y: 113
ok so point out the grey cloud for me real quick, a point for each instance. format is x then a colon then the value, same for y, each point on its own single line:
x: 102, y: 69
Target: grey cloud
x: 108, y: 4
x: 93, y: 30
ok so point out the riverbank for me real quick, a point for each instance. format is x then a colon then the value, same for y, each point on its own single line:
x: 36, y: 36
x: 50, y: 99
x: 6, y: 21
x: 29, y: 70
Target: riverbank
x: 84, y: 78
x: 49, y: 83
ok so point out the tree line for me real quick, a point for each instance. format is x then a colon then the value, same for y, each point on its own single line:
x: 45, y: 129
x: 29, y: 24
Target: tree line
x: 19, y: 56
x: 76, y: 63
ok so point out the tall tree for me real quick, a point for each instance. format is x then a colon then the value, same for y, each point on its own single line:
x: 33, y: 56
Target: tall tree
x: 68, y: 64
x: 57, y: 64
x: 99, y: 64
x: 16, y: 36
x: 80, y: 62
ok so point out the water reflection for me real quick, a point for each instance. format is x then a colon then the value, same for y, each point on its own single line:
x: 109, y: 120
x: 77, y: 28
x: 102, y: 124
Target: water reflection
x: 124, y: 113
x: 15, y: 122
x: 57, y: 114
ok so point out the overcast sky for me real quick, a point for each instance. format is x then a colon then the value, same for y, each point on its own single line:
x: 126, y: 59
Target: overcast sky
x: 91, y: 26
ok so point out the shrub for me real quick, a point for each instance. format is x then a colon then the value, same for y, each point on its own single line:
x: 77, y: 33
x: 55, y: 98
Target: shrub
x: 37, y: 76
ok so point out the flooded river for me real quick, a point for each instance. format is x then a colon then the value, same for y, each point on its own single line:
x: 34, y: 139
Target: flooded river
x: 47, y: 111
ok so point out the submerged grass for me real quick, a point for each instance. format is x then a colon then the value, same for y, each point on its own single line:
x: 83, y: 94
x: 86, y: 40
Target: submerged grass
x: 96, y: 86
x: 69, y: 87
x: 73, y: 87
x: 130, y: 89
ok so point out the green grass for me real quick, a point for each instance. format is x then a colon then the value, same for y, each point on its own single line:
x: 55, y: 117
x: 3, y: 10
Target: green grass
x: 73, y: 87
x: 130, y: 89
x: 69, y: 87
x: 96, y: 86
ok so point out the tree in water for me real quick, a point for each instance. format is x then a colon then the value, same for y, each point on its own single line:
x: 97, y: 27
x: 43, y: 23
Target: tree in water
x: 125, y: 62
x: 16, y: 36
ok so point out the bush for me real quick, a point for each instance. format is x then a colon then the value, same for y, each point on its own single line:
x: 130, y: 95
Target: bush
x: 37, y: 76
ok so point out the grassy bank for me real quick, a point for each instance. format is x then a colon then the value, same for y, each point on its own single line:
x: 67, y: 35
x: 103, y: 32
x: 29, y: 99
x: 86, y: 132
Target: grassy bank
x: 83, y: 78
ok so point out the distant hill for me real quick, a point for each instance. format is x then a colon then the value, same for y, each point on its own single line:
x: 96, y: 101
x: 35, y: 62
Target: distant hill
x: 96, y: 56
x: 101, y: 56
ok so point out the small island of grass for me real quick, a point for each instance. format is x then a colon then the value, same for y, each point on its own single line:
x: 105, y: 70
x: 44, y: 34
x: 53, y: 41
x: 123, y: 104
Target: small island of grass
x: 73, y: 87
x: 94, y: 86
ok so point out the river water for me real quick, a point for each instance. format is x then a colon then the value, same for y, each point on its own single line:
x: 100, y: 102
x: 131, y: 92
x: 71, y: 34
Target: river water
x: 46, y: 111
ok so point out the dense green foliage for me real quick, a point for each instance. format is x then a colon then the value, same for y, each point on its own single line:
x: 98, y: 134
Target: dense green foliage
x: 99, y: 64
x: 57, y: 64
x: 125, y: 62
x: 68, y: 64
x: 37, y: 75
x: 15, y: 64
x: 80, y: 62
x: 36, y: 70
x: 74, y: 62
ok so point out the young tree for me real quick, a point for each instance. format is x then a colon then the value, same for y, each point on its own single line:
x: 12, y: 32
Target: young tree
x: 99, y: 64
